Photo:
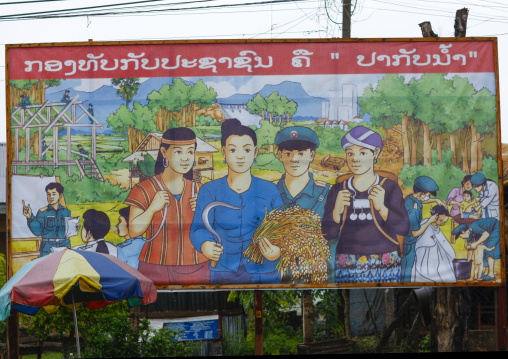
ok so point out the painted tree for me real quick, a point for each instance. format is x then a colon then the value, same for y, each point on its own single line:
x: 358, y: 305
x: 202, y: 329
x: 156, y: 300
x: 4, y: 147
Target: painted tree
x: 391, y: 103
x: 162, y: 103
x: 291, y: 108
x: 201, y: 96
x: 257, y: 106
x: 127, y: 88
x: 122, y: 121
x: 483, y: 120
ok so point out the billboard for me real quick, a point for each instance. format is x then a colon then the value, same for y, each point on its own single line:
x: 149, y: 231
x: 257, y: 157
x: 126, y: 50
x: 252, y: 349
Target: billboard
x: 261, y: 164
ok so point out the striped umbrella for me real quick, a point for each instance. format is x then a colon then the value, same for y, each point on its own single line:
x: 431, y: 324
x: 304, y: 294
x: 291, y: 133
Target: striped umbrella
x: 71, y: 277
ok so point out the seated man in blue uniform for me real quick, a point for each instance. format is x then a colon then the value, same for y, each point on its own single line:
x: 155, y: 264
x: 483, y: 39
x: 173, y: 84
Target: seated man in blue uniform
x: 25, y: 101
x: 49, y: 223
x: 66, y: 98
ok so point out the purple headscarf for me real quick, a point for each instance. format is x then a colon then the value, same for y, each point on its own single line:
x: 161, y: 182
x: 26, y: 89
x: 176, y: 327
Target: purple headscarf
x: 362, y: 136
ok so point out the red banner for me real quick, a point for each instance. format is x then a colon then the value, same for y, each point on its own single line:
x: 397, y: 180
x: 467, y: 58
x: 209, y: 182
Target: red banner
x: 240, y: 59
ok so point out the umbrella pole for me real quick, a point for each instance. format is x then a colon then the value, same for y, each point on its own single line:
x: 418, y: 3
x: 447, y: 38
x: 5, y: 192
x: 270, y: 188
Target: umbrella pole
x: 76, y: 326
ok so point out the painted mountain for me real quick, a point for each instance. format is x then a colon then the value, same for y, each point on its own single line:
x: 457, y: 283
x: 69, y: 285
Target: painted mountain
x: 105, y: 101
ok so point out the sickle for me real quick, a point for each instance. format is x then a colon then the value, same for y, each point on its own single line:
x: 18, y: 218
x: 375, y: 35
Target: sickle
x: 206, y: 221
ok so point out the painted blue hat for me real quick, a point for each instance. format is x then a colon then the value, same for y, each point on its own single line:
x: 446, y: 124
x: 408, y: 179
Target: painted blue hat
x: 460, y: 228
x: 363, y: 137
x: 296, y: 133
x: 478, y: 179
x: 426, y: 184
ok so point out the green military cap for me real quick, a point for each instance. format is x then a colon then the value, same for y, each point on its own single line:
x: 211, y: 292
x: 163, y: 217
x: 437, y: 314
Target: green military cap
x: 296, y: 133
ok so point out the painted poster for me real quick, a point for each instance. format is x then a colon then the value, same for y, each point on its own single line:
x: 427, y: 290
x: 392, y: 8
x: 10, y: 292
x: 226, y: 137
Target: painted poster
x: 261, y: 164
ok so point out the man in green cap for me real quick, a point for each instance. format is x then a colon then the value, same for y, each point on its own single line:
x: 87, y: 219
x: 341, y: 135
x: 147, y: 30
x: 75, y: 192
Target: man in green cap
x: 296, y: 149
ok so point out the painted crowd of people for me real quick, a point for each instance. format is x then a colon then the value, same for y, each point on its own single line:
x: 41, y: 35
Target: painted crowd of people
x: 179, y: 232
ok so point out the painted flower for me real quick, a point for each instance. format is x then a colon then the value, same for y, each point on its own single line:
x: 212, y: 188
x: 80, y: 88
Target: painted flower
x: 386, y: 258
x: 343, y: 259
x: 362, y: 259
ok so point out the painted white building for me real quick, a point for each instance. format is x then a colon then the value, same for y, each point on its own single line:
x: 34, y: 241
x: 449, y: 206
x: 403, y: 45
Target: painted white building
x: 343, y: 105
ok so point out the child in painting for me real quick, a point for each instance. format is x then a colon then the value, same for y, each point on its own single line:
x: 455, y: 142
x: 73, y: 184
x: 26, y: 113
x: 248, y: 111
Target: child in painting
x: 129, y: 250
x: 470, y: 206
x: 478, y: 255
x: 96, y: 225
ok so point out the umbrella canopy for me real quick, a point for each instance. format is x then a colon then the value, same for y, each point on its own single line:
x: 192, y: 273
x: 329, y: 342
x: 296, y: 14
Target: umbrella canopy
x: 96, y: 279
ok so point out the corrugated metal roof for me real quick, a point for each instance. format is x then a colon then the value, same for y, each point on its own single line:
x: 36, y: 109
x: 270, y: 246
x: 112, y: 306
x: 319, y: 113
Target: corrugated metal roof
x: 193, y: 302
x: 3, y: 173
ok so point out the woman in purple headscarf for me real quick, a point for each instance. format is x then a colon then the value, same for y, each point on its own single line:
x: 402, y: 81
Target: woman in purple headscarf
x: 366, y: 212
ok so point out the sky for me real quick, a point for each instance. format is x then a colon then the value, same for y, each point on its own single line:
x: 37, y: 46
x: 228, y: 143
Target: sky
x: 31, y: 21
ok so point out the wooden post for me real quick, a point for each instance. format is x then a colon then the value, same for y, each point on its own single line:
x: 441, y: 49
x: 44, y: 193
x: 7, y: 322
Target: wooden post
x: 258, y: 322
x: 69, y: 151
x: 307, y: 316
x: 13, y: 335
x: 501, y: 340
x: 346, y: 19
x: 461, y: 22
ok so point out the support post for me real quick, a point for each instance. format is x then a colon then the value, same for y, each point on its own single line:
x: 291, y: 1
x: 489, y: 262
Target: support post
x: 501, y: 340
x: 258, y: 322
x: 346, y: 19
x: 13, y: 335
x: 307, y: 316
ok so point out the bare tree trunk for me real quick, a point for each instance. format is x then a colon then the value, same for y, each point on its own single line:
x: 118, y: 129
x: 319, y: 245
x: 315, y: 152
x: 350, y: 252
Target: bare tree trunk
x: 479, y: 155
x: 463, y: 152
x: 307, y: 316
x: 414, y: 142
x: 449, y: 324
x: 347, y: 319
x: 405, y: 140
x: 438, y: 147
x: 427, y: 153
x: 474, y: 148
x: 453, y: 148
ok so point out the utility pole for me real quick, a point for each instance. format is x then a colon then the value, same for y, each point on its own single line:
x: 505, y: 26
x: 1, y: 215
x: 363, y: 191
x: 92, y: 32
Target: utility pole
x: 461, y: 22
x: 346, y: 19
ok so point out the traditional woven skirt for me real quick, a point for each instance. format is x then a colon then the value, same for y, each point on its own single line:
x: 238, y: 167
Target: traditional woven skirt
x: 372, y: 268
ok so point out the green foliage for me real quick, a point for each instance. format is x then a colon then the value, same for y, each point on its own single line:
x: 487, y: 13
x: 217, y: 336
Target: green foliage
x: 278, y: 337
x: 23, y: 84
x: 237, y: 347
x: 87, y: 190
x: 266, y: 133
x: 105, y: 333
x: 269, y: 161
x: 328, y: 307
x: 446, y: 175
x: 115, y: 339
x: 490, y: 168
x: 276, y: 105
x: 202, y: 120
x: 147, y: 167
x: 127, y: 88
x: 329, y: 140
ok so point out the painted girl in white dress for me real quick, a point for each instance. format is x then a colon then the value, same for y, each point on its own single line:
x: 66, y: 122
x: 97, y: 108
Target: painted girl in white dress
x: 434, y: 253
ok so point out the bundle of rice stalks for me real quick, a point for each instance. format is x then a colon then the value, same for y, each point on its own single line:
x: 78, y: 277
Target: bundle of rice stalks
x: 304, y: 250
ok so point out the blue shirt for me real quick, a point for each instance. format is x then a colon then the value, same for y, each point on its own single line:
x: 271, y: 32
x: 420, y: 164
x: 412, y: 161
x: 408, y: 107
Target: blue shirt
x: 235, y: 227
x: 48, y: 223
x: 311, y: 197
x: 415, y: 216
x: 129, y: 250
